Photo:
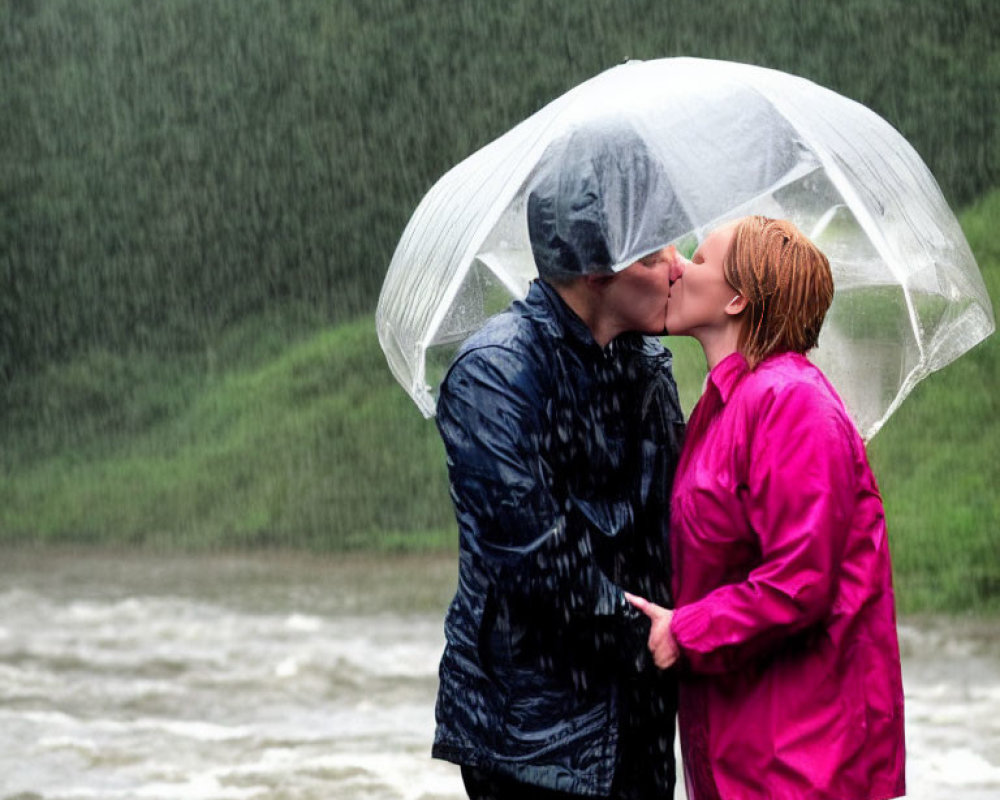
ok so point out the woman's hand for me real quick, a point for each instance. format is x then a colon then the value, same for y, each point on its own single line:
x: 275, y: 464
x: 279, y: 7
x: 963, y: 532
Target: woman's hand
x: 662, y: 643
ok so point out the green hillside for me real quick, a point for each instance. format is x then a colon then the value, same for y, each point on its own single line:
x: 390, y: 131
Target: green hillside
x: 199, y: 200
x: 316, y: 446
x: 936, y: 461
x: 311, y: 443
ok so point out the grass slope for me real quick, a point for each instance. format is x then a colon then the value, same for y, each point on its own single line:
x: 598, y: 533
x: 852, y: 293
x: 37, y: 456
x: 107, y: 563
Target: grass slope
x: 936, y: 461
x: 316, y: 447
x: 310, y: 443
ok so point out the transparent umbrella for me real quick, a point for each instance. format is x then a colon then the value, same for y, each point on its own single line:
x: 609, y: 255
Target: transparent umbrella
x: 731, y: 139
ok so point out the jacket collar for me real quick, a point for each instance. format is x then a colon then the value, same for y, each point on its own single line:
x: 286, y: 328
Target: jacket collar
x: 545, y: 304
x: 727, y: 374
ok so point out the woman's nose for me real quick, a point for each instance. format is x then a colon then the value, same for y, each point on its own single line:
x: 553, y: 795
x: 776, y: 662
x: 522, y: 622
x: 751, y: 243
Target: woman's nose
x: 677, y: 263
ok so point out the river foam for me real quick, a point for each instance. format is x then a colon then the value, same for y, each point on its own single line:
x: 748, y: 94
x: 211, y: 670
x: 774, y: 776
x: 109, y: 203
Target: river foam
x: 128, y: 675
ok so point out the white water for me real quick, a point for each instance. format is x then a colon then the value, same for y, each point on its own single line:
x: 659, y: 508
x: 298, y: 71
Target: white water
x: 267, y: 676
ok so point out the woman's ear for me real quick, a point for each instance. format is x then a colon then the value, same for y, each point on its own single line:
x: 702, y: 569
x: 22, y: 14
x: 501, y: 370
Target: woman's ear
x: 736, y: 305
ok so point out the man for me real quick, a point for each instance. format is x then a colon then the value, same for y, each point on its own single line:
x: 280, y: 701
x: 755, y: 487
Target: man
x: 562, y: 426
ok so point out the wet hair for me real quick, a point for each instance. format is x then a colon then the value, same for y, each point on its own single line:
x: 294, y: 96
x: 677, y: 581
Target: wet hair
x: 787, y: 283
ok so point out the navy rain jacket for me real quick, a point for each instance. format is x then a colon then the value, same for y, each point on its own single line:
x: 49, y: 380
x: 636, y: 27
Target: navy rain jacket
x: 560, y: 455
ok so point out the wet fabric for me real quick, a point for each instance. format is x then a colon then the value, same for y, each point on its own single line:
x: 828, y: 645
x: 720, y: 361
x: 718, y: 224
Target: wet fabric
x: 785, y: 615
x: 560, y: 455
x: 599, y: 202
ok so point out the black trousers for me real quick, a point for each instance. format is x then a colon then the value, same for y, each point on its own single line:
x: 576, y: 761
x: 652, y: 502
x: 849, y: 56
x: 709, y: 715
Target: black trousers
x: 645, y: 770
x: 480, y: 785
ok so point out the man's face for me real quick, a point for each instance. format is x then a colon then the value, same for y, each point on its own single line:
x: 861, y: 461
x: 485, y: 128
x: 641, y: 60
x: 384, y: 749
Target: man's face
x: 637, y: 296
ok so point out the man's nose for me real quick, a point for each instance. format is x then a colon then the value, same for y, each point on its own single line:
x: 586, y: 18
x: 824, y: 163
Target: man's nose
x: 675, y: 263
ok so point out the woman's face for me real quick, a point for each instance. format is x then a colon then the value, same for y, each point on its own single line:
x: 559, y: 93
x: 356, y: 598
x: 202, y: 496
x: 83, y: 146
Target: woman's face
x: 699, y: 296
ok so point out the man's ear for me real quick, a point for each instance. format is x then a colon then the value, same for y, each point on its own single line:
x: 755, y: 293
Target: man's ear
x: 735, y: 306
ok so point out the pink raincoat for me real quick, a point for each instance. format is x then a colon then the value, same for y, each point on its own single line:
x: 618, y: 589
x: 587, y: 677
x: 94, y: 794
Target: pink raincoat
x: 785, y: 616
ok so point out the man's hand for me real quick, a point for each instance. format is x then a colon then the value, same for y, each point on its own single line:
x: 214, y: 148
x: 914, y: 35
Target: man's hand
x: 661, y: 643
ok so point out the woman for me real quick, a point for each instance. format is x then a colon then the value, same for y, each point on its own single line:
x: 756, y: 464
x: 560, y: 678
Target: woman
x: 784, y: 623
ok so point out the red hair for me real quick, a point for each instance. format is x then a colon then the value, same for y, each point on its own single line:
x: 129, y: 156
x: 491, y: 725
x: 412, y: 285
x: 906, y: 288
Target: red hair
x: 787, y: 283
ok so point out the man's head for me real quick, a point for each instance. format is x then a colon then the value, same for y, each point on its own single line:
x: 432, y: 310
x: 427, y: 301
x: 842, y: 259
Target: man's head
x: 761, y: 279
x: 598, y: 203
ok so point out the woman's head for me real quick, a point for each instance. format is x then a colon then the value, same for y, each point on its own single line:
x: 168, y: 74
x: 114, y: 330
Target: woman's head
x: 787, y: 283
x: 756, y: 285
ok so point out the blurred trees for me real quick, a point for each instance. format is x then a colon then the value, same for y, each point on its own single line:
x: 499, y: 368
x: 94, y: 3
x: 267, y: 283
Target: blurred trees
x: 170, y: 168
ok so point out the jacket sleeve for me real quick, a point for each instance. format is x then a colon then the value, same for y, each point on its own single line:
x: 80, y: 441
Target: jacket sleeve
x: 798, y: 500
x: 490, y: 414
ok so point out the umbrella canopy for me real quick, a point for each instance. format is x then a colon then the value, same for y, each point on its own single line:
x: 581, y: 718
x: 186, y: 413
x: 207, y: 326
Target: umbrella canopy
x: 728, y: 140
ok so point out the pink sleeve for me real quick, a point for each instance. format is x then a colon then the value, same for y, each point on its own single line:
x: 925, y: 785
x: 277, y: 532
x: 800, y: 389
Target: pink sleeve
x: 798, y: 499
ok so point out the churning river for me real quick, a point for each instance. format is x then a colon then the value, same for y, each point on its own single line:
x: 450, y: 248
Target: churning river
x: 281, y: 676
